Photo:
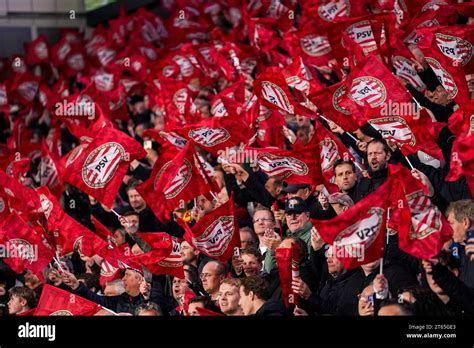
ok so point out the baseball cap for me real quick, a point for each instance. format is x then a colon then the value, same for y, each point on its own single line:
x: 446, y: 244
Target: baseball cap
x: 296, y: 205
x: 341, y: 198
x: 293, y: 188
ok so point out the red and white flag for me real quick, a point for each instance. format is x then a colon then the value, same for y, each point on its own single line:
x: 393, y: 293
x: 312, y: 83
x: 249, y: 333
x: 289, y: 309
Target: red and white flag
x: 25, y: 248
x: 58, y: 302
x: 358, y: 234
x: 165, y: 256
x: 100, y: 168
x: 288, y: 260
x: 216, y: 234
x: 422, y: 229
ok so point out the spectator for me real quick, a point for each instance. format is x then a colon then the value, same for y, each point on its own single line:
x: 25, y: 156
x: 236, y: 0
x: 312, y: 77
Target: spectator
x: 229, y: 297
x: 22, y: 299
x: 212, y: 275
x: 254, y: 298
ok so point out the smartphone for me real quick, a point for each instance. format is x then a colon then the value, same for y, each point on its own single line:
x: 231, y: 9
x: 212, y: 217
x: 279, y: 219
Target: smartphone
x: 469, y: 235
x: 371, y: 299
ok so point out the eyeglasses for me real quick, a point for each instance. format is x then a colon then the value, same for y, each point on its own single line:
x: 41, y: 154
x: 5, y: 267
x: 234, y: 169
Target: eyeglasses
x: 206, y: 275
x: 262, y: 219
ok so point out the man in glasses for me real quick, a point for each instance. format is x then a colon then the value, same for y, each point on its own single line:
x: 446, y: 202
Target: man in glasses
x: 211, y: 276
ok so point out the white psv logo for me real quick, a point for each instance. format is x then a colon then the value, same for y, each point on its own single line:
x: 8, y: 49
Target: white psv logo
x: 46, y: 205
x: 281, y: 166
x: 368, y: 89
x: 328, y: 154
x: 315, y: 45
x: 362, y: 34
x: 41, y: 50
x: 28, y: 90
x: 334, y: 9
x: 179, y: 100
x: 425, y: 217
x: 395, y: 128
x: 275, y: 95
x: 337, y: 99
x: 454, y: 48
x: 174, y: 259
x: 362, y: 234
x: 174, y: 139
x: 209, y: 137
x: 180, y: 181
x: 216, y: 238
x: 76, y: 61
x: 443, y: 76
x: 101, y: 164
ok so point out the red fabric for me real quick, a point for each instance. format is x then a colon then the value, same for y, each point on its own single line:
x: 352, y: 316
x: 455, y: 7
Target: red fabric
x: 37, y: 50
x: 217, y: 134
x: 55, y: 301
x: 21, y: 199
x: 216, y: 234
x: 34, y: 255
x: 49, y: 175
x: 298, y: 166
x: 358, y: 234
x: 101, y: 166
x: 174, y: 179
x: 450, y: 73
x: 462, y: 154
x: 68, y: 233
x: 372, y: 86
x: 287, y: 260
x: 203, y: 312
x: 410, y: 132
x: 328, y: 100
x: 165, y: 257
x: 422, y: 229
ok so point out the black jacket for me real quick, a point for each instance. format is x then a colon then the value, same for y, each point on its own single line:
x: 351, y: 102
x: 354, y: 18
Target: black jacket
x: 454, y: 288
x: 121, y: 303
x: 366, y: 186
x: 272, y: 308
x: 345, y: 295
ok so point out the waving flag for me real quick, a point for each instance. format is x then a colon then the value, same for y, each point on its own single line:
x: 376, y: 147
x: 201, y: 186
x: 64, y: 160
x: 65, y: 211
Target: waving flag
x: 58, y: 302
x: 69, y: 235
x: 100, y: 168
x: 288, y: 260
x: 26, y: 249
x: 422, y: 229
x: 216, y: 234
x: 358, y: 234
x: 165, y: 256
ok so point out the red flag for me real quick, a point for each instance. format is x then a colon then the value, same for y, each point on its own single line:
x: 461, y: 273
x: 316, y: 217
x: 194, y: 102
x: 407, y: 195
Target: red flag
x: 298, y: 166
x: 203, y: 312
x: 25, y: 248
x: 48, y: 171
x: 101, y: 166
x: 422, y: 229
x: 174, y: 179
x: 55, y: 302
x: 69, y: 234
x: 166, y: 139
x: 329, y: 101
x: 216, y: 134
x: 165, y: 256
x: 288, y: 260
x: 372, y: 86
x: 358, y: 234
x: 37, y: 50
x: 409, y: 131
x: 21, y: 199
x: 450, y: 73
x: 462, y: 155
x: 216, y: 234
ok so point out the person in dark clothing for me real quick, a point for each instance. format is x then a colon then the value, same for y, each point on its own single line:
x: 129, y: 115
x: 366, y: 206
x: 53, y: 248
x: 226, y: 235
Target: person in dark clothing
x: 254, y: 299
x: 304, y: 191
x: 124, y: 303
x: 345, y: 176
x: 378, y: 155
x: 453, y: 288
x: 345, y: 295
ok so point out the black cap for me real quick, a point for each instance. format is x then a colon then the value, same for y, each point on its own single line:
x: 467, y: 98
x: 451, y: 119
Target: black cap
x: 135, y: 99
x: 293, y: 188
x: 296, y: 205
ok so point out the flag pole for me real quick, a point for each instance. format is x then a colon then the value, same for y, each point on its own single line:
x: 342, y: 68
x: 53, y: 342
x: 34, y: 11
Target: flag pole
x: 117, y: 214
x: 409, y: 163
x: 389, y: 213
